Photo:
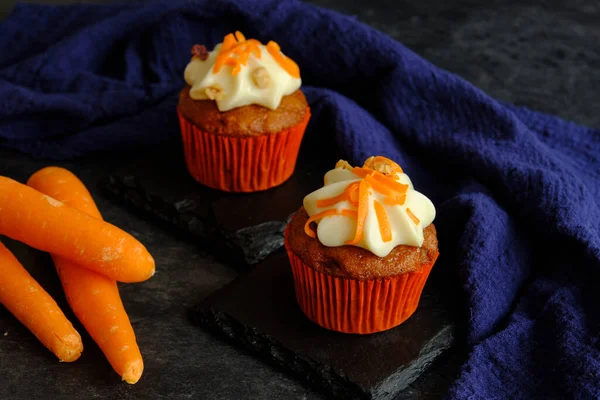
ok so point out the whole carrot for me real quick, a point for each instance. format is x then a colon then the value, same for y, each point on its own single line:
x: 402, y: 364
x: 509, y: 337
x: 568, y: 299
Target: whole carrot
x: 47, y: 224
x: 33, y: 306
x: 93, y: 298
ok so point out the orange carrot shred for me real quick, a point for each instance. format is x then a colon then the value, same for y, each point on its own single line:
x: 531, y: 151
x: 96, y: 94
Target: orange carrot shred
x: 323, y: 214
x: 352, y: 191
x: 395, y: 200
x: 363, y: 207
x: 286, y: 63
x: 412, y: 216
x: 396, y: 186
x: 384, y: 224
x: 361, y: 172
x: 349, y: 213
x: 378, y: 186
x: 240, y: 36
x: 228, y: 43
x: 235, y: 52
x: 332, y: 200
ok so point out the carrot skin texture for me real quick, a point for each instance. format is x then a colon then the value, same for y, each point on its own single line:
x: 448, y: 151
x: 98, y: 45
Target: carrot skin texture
x: 96, y: 302
x: 49, y: 225
x: 94, y: 298
x: 36, y: 309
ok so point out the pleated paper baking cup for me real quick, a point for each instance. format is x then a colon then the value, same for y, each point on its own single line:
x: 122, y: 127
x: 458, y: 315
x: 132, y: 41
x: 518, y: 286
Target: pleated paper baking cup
x: 354, y: 306
x: 241, y: 163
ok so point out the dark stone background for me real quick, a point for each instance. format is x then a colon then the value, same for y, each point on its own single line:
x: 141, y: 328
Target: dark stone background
x: 541, y: 54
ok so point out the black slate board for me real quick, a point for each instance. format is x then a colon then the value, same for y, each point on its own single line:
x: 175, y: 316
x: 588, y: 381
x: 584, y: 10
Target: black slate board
x: 259, y: 312
x: 242, y: 227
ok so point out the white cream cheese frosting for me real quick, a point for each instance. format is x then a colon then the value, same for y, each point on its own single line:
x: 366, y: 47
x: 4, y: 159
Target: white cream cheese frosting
x: 374, y: 207
x: 239, y: 72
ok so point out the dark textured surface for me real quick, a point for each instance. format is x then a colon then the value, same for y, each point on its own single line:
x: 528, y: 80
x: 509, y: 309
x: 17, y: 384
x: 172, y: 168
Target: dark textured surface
x: 542, y: 54
x: 259, y: 311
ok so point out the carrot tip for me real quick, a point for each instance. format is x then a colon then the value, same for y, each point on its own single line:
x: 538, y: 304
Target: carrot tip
x: 68, y: 348
x: 133, y: 371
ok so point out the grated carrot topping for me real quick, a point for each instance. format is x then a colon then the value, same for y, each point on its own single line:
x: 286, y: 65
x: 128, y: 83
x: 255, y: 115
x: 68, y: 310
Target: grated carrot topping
x: 384, y: 224
x: 286, y: 63
x: 229, y: 42
x: 378, y: 186
x: 327, y: 213
x: 395, y: 200
x: 323, y: 214
x: 412, y: 216
x: 395, y: 193
x: 395, y: 186
x: 363, y: 199
x: 352, y: 191
x: 240, y: 36
x: 361, y: 171
x: 332, y: 200
x: 348, y: 213
x: 235, y: 52
x: 349, y: 194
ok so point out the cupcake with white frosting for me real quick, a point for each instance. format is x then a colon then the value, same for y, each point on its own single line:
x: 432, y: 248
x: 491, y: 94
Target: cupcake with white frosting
x: 362, y: 247
x: 242, y: 115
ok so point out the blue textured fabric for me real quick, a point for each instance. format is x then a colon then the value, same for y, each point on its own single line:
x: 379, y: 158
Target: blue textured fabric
x: 516, y: 191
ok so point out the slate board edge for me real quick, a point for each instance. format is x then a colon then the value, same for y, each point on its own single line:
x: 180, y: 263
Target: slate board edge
x: 249, y: 245
x: 437, y: 346
x: 311, y: 372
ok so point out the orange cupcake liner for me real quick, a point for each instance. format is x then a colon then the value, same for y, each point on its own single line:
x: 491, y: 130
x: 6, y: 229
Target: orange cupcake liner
x: 241, y: 164
x: 354, y: 306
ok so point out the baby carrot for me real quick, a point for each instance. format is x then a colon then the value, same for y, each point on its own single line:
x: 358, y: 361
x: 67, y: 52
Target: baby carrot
x: 48, y: 225
x: 93, y: 298
x: 33, y: 306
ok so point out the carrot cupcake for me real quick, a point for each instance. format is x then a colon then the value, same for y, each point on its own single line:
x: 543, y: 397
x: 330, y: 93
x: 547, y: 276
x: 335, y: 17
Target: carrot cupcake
x: 364, y: 267
x: 242, y: 115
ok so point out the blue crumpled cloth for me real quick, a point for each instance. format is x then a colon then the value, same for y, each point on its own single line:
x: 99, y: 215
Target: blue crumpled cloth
x: 516, y: 191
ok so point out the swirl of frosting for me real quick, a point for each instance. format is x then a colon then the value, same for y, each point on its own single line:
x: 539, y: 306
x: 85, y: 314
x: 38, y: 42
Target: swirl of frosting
x: 374, y: 207
x: 240, y: 72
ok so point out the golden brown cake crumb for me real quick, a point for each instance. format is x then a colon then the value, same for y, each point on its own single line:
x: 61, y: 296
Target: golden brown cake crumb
x: 357, y: 263
x: 251, y: 120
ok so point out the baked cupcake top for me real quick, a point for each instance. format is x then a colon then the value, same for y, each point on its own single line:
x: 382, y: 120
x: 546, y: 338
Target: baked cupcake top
x: 239, y: 72
x: 374, y: 207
